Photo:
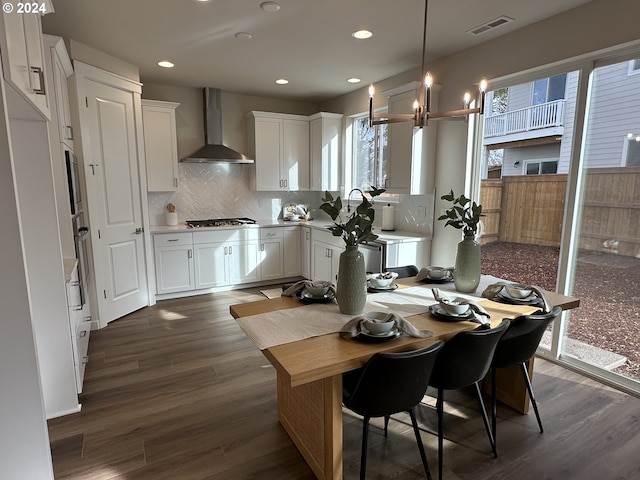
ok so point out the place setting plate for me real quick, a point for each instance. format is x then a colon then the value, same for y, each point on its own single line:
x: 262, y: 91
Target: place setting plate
x: 368, y: 337
x: 437, y: 311
x: 306, y: 297
x: 531, y: 300
x: 428, y: 279
x: 390, y: 288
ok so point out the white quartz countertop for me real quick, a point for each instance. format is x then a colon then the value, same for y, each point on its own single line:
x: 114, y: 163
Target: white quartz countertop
x: 387, y: 237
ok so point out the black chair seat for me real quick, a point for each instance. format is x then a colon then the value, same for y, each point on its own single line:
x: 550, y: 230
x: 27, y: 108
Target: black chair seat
x: 390, y: 383
x: 405, y: 271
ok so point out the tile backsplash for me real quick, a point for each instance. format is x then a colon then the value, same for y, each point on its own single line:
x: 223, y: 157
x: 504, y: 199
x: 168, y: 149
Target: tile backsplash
x: 222, y: 191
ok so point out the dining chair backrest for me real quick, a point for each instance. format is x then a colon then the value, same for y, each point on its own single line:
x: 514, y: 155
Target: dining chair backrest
x: 393, y: 382
x: 466, y: 358
x: 521, y: 340
x: 405, y: 271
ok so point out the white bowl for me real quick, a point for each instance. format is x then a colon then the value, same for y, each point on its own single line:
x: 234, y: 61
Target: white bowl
x: 377, y: 322
x: 378, y: 282
x: 317, y: 289
x: 518, y: 291
x: 453, y: 307
x: 437, y: 272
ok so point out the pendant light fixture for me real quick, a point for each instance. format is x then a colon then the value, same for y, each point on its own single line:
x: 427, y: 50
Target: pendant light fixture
x: 422, y: 106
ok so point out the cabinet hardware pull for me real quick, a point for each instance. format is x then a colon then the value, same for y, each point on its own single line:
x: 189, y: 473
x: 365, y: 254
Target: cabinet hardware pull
x: 307, y: 235
x: 226, y: 250
x: 286, y: 183
x: 77, y: 308
x: 70, y: 132
x: 139, y: 230
x: 230, y: 251
x: 40, y: 72
x: 262, y: 247
x: 175, y: 182
x: 173, y: 240
x: 85, y: 360
x: 189, y: 253
x: 74, y: 284
x: 83, y: 333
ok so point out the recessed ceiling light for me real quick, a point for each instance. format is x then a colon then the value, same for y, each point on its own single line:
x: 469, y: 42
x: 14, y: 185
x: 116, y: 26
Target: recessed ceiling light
x: 166, y: 64
x: 282, y: 81
x: 270, y: 7
x: 244, y: 36
x: 353, y: 80
x: 362, y: 34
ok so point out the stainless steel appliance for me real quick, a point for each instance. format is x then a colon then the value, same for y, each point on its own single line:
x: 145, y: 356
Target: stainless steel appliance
x: 73, y: 181
x: 81, y: 236
x: 220, y: 222
x: 374, y: 253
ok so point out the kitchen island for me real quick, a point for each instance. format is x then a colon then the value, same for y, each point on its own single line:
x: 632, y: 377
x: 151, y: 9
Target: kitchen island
x: 309, y: 373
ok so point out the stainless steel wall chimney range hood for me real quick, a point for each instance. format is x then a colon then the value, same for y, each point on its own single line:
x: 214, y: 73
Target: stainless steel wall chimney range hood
x: 214, y: 151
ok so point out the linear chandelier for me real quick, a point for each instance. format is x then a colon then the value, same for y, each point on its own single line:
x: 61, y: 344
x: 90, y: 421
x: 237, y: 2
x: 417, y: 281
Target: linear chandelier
x: 422, y: 107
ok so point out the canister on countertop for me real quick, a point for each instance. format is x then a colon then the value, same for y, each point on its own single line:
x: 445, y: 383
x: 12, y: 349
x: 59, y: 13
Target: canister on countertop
x: 387, y: 218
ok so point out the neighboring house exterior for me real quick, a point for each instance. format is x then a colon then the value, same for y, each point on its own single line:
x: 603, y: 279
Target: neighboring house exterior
x: 528, y: 128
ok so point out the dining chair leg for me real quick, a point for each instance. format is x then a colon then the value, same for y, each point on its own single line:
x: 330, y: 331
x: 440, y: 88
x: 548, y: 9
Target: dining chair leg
x: 423, y: 455
x: 363, y: 453
x: 440, y: 411
x: 525, y: 373
x: 485, y: 419
x: 494, y: 410
x: 386, y: 425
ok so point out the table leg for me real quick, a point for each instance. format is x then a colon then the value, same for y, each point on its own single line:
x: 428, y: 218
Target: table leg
x: 510, y: 387
x: 312, y: 416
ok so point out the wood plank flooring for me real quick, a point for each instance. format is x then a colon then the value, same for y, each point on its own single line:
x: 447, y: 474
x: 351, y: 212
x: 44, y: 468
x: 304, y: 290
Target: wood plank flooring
x: 177, y: 391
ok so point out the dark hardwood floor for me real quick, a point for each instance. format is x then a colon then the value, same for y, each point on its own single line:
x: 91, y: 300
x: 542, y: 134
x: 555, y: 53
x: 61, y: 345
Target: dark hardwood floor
x: 177, y: 391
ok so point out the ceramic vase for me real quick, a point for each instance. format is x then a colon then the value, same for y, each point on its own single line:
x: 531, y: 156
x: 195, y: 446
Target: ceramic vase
x: 351, y: 291
x: 468, y: 266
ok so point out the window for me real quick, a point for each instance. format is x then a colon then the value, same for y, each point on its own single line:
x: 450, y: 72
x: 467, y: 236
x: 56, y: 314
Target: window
x: 541, y: 168
x: 549, y: 89
x: 634, y: 67
x: 369, y: 154
x: 632, y: 152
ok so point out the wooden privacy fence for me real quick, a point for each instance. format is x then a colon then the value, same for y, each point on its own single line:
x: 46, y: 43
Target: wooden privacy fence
x: 529, y: 209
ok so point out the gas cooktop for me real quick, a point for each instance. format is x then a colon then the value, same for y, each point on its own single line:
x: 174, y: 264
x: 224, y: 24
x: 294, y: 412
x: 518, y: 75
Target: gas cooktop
x: 219, y: 222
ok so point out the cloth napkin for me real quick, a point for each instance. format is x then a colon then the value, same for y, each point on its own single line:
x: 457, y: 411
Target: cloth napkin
x: 353, y: 327
x: 423, y: 274
x: 296, y: 287
x: 480, y: 315
x: 495, y: 288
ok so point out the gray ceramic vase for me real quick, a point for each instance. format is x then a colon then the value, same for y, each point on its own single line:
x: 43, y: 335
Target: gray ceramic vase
x: 351, y: 291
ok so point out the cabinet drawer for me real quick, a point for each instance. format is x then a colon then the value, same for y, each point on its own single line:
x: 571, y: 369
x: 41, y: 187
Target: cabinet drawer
x: 226, y: 235
x: 270, y: 233
x: 168, y: 239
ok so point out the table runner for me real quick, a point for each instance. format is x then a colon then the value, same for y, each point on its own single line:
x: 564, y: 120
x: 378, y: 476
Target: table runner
x: 293, y: 324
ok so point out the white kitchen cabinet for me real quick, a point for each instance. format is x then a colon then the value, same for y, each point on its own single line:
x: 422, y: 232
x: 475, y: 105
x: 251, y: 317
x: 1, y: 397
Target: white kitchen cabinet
x: 305, y: 252
x: 410, y: 162
x: 291, y: 251
x: 325, y: 255
x: 279, y: 143
x: 226, y: 257
x: 60, y: 69
x: 272, y: 253
x: 79, y: 326
x: 325, y: 146
x: 160, y: 145
x: 174, y: 262
x: 23, y: 58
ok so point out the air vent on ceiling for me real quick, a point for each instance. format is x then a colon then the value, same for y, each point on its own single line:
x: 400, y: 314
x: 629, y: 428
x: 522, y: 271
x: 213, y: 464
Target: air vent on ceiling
x: 485, y: 27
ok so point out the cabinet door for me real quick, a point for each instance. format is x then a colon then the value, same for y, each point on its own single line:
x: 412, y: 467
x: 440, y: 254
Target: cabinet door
x: 244, y: 262
x: 35, y: 55
x: 295, y: 159
x: 174, y: 269
x: 334, y: 253
x: 271, y: 259
x: 305, y: 247
x: 324, y: 141
x: 211, y: 269
x: 160, y: 145
x: 400, y: 145
x: 268, y: 153
x: 292, y: 251
x: 61, y: 69
x: 321, y: 266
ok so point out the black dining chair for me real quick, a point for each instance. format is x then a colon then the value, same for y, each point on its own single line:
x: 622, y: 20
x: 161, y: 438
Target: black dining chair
x: 405, y: 271
x: 463, y: 361
x: 517, y: 346
x: 390, y: 383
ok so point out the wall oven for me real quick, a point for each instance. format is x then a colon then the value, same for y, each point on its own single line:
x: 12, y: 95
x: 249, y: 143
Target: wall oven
x: 73, y: 180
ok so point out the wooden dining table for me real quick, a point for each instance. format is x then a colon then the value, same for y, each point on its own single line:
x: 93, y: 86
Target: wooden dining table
x: 309, y: 373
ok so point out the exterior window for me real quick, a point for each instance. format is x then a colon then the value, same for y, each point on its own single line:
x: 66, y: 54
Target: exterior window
x: 369, y: 153
x: 549, y: 89
x: 632, y: 157
x: 541, y: 168
x: 634, y: 67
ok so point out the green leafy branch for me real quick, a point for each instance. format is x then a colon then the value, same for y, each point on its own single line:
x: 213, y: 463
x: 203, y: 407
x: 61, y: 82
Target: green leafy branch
x: 463, y: 213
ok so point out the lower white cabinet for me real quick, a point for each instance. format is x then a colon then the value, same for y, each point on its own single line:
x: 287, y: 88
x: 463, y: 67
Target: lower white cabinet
x: 291, y: 262
x: 271, y: 253
x: 174, y: 262
x: 325, y: 255
x: 80, y: 327
x: 305, y: 252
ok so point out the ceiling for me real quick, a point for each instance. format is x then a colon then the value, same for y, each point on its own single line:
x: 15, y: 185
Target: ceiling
x: 308, y: 42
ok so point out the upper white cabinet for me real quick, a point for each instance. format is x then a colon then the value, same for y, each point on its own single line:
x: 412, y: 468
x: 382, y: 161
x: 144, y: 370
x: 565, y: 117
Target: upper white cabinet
x: 22, y: 54
x: 160, y: 145
x: 280, y: 145
x: 411, y: 150
x: 60, y: 70
x: 326, y: 144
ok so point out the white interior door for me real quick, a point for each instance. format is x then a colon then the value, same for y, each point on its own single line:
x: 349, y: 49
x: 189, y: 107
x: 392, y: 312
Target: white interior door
x: 115, y: 207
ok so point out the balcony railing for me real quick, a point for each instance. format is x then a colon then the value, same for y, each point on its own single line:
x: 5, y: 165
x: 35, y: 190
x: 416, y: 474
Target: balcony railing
x: 545, y: 115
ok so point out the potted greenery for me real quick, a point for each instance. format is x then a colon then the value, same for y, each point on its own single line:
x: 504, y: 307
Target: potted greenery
x: 465, y: 215
x: 357, y: 228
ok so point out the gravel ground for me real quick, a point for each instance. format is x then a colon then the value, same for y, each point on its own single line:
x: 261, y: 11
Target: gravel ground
x: 608, y: 286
